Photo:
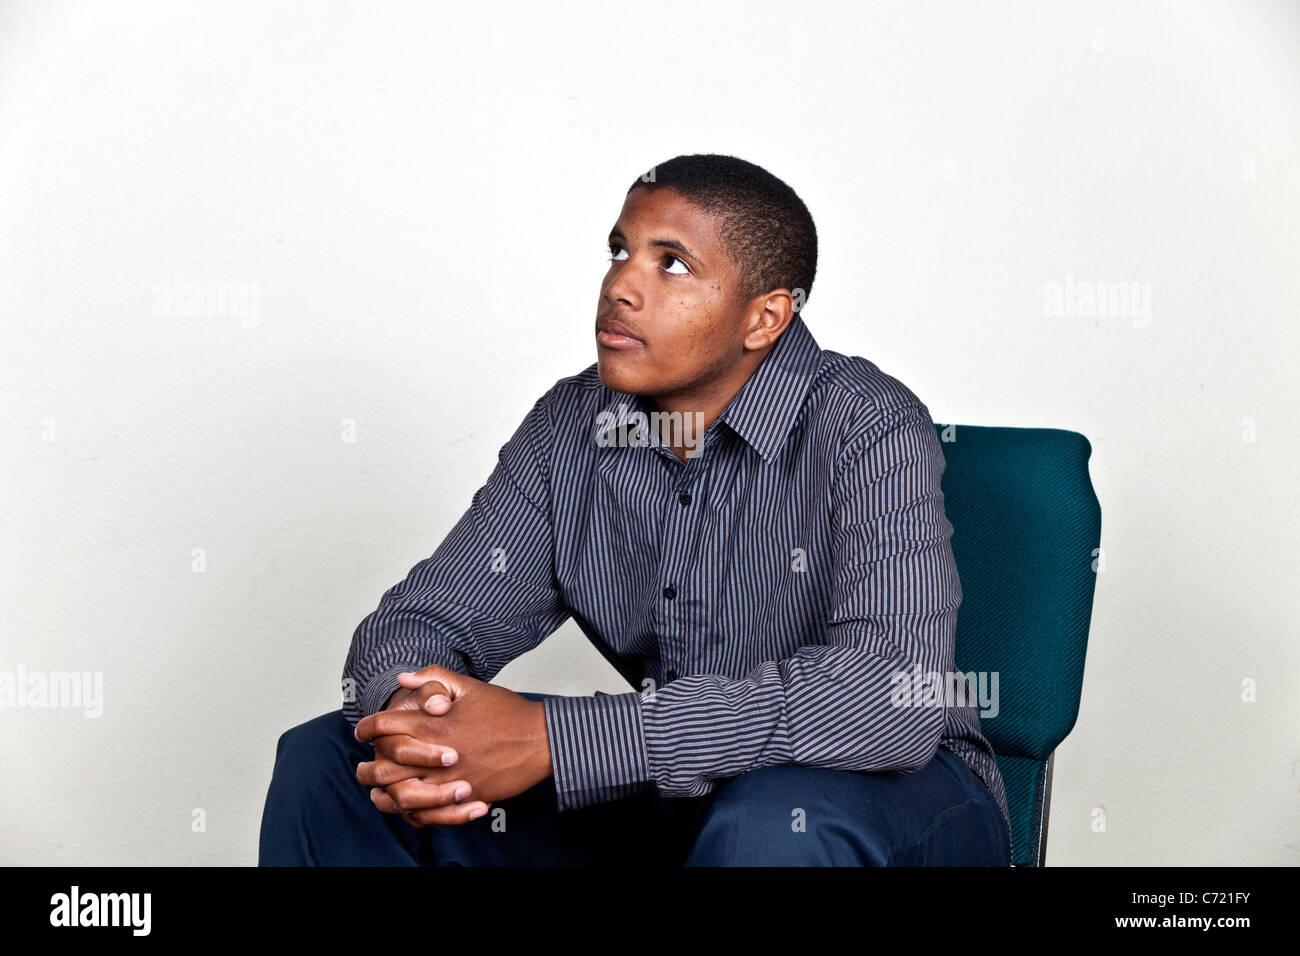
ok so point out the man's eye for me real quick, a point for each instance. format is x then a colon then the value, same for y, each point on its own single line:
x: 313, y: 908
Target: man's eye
x: 617, y: 254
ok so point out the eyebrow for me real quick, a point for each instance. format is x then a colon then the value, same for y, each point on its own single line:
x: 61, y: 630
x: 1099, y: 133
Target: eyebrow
x: 672, y: 244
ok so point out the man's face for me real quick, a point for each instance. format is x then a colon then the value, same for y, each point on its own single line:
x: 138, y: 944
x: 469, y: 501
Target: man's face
x: 672, y: 285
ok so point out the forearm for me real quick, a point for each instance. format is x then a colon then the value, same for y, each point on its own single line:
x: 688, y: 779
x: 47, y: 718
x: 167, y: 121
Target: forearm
x: 831, y: 706
x: 827, y: 706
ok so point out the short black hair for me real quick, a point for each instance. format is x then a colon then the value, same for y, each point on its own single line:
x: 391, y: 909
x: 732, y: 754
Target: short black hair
x: 764, y: 226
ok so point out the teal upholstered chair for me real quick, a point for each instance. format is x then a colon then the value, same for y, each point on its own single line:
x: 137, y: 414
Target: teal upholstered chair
x: 1026, y: 526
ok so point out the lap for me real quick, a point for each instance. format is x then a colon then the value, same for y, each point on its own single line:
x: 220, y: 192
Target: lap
x: 640, y: 830
x: 317, y: 760
x: 939, y: 815
x: 790, y: 815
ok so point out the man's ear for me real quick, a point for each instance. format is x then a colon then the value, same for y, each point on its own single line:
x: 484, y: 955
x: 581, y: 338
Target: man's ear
x: 769, y: 314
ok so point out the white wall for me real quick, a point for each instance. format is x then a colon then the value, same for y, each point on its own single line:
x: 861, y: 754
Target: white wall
x: 418, y: 197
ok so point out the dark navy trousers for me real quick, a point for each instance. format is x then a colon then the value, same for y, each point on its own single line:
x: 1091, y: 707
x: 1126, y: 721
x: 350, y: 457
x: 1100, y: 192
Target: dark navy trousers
x: 318, y: 814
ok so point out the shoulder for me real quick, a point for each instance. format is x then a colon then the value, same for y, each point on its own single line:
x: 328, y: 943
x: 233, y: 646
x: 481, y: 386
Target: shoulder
x: 579, y: 386
x: 856, y: 399
x: 562, y: 419
x: 575, y: 397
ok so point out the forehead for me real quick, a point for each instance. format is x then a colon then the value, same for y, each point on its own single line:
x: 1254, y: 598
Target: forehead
x: 665, y: 213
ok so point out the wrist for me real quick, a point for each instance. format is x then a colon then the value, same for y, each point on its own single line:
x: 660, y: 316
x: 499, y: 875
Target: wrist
x: 542, y: 751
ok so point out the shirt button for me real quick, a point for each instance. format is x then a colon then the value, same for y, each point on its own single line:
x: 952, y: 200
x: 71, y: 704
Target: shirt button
x: 684, y: 499
x: 670, y: 592
x: 671, y: 675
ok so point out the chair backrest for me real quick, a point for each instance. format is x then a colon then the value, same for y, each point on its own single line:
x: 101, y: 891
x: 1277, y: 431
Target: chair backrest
x: 1026, y: 529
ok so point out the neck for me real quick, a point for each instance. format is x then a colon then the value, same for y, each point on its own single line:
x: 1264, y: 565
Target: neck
x: 692, y: 411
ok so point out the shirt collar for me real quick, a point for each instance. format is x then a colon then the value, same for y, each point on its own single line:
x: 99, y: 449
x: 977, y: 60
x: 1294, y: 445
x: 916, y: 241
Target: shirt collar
x: 763, y: 411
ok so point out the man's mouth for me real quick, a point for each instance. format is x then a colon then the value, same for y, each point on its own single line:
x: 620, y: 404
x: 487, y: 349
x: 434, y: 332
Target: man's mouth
x: 615, y: 341
x: 615, y: 335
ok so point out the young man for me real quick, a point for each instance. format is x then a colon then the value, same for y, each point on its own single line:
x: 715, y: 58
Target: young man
x: 749, y: 528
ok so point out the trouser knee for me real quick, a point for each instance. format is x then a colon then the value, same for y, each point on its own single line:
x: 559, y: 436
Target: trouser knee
x: 785, y: 816
x: 320, y: 749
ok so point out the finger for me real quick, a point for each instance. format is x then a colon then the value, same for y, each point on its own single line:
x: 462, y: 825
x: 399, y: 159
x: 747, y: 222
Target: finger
x: 421, y: 794
x: 414, y: 698
x: 382, y: 772
x: 391, y: 722
x: 380, y: 798
x: 415, y: 679
x: 456, y: 815
x: 404, y: 749
x: 419, y: 698
x: 452, y: 813
x: 433, y: 697
x: 453, y: 681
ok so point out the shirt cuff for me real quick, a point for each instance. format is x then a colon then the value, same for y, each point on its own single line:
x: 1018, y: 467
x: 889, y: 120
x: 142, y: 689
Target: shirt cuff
x: 381, y: 687
x: 598, y: 749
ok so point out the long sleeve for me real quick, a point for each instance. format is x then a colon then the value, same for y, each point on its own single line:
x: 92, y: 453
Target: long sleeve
x: 484, y: 597
x: 831, y: 704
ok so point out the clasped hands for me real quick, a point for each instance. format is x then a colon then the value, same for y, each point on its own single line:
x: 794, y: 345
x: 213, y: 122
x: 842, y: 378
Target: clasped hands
x: 448, y: 746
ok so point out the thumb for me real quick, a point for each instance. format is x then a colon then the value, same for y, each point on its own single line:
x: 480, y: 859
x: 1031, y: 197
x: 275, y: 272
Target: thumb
x: 454, y: 682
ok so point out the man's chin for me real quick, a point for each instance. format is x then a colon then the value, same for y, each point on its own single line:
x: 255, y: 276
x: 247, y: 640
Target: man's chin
x: 618, y: 379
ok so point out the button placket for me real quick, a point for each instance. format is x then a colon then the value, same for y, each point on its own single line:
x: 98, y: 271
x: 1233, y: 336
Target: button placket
x: 680, y: 529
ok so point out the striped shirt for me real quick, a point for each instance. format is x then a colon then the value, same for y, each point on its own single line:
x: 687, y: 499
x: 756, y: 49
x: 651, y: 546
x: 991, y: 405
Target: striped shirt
x: 766, y: 599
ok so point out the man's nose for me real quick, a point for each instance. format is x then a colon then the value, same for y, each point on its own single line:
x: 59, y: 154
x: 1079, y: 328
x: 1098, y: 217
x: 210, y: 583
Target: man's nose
x: 622, y: 290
